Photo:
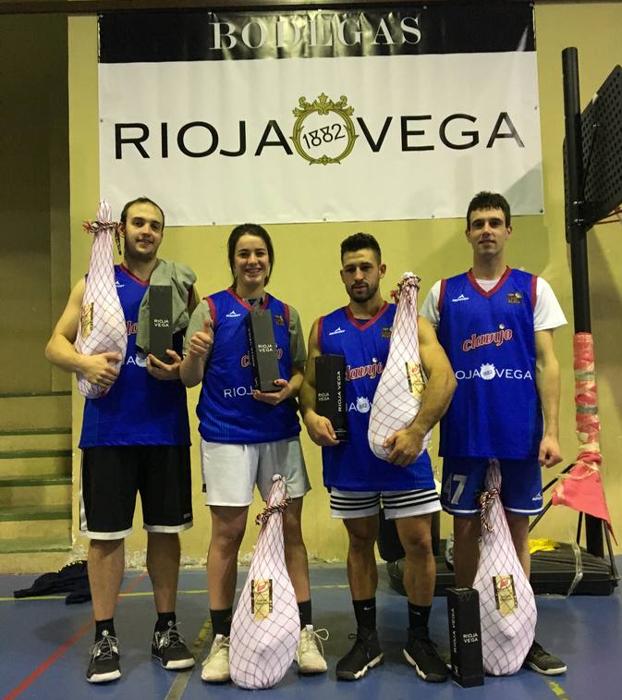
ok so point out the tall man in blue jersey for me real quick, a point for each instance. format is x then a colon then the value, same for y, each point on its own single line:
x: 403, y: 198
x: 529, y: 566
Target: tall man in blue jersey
x: 134, y: 438
x: 357, y: 479
x: 496, y: 325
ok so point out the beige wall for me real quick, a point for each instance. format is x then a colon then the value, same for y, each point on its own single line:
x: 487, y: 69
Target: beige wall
x: 34, y: 197
x: 306, y: 272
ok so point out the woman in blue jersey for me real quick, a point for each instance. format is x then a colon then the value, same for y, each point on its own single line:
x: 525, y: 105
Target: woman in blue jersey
x: 247, y: 436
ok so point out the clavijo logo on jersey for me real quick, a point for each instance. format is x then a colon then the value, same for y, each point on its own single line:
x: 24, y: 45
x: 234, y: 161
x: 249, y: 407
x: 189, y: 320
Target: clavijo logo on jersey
x: 497, y: 338
x: 371, y: 370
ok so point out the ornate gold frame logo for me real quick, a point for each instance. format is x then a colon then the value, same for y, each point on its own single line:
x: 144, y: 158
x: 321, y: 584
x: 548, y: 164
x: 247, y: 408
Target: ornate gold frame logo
x: 343, y: 127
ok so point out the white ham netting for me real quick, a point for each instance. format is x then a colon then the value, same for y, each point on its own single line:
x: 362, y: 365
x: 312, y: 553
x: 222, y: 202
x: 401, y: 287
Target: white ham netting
x: 398, y: 395
x: 266, y: 625
x: 506, y: 600
x: 102, y: 322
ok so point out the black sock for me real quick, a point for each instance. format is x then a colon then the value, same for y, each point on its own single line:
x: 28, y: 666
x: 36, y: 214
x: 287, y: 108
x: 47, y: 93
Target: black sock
x: 164, y: 621
x: 102, y: 626
x: 418, y: 616
x: 221, y: 621
x: 304, y: 611
x: 365, y: 613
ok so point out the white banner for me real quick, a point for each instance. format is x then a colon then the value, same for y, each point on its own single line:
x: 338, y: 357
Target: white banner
x: 337, y: 138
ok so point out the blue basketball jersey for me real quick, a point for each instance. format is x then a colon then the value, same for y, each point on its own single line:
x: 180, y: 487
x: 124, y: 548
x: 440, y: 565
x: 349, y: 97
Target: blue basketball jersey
x: 352, y: 466
x: 490, y: 341
x: 138, y: 409
x: 227, y: 411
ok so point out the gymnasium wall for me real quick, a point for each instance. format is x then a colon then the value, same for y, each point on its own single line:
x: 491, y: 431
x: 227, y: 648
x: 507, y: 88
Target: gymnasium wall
x: 34, y: 197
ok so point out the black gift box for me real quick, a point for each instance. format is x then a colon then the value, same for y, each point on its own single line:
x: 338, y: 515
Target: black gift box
x: 330, y: 387
x: 264, y: 358
x: 160, y: 321
x: 465, y: 636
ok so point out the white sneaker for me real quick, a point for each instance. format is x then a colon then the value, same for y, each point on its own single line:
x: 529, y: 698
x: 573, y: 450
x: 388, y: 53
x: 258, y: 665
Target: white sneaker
x: 310, y: 652
x: 216, y: 665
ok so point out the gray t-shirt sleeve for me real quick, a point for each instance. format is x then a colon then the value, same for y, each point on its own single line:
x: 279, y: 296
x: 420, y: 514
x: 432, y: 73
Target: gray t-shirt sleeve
x: 296, y: 339
x: 429, y: 308
x: 198, y: 318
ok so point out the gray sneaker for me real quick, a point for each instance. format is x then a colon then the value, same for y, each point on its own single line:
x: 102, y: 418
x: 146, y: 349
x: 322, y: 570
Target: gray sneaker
x: 104, y: 664
x: 216, y: 665
x: 310, y: 652
x: 169, y: 648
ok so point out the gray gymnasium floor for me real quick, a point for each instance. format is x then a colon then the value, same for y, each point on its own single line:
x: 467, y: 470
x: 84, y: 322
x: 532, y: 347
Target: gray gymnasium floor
x: 44, y: 647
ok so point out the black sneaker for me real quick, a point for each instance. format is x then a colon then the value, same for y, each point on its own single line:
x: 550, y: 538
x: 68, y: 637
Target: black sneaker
x: 104, y: 664
x: 538, y: 659
x: 169, y: 648
x: 421, y: 653
x: 365, y: 654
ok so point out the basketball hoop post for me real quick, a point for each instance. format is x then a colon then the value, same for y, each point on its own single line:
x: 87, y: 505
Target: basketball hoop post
x: 576, y: 234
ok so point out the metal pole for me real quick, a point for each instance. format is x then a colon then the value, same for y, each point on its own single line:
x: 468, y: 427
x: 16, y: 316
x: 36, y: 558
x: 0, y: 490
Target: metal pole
x: 576, y: 235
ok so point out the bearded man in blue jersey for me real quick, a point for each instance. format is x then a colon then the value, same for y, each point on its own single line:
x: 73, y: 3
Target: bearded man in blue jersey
x: 357, y: 479
x: 134, y: 438
x: 496, y: 325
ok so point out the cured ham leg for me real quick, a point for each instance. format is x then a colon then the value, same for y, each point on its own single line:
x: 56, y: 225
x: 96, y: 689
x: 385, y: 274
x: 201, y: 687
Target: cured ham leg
x: 266, y: 626
x: 398, y: 395
x: 507, y: 604
x: 102, y: 322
